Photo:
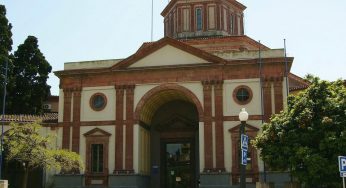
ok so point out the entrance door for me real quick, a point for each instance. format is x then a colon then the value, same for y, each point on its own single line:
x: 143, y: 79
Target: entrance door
x: 179, y: 164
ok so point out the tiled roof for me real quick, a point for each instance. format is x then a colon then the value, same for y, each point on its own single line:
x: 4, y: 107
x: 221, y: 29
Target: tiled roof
x: 297, y: 83
x: 24, y: 118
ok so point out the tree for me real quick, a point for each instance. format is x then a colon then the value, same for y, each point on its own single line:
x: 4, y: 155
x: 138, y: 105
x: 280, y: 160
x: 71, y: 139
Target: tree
x: 5, y: 48
x: 309, y: 135
x: 31, y: 71
x: 26, y: 146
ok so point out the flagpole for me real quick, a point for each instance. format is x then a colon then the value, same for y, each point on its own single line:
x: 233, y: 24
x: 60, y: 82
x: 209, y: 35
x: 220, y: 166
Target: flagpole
x: 152, y: 20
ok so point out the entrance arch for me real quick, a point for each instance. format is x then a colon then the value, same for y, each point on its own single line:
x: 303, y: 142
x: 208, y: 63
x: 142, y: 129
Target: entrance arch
x: 171, y: 114
x: 160, y: 95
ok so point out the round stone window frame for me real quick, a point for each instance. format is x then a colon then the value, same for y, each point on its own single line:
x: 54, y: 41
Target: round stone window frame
x: 92, y: 100
x: 235, y: 91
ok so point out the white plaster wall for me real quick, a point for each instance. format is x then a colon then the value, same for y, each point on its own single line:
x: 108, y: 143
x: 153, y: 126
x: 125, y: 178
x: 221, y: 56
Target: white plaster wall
x: 58, y: 139
x: 213, y: 101
x: 284, y: 91
x: 228, y: 142
x: 196, y: 88
x: 272, y: 94
x: 71, y: 131
x: 124, y: 145
x: 143, y: 151
x: 71, y: 109
x: 136, y: 145
x: 231, y: 108
x: 56, y: 144
x: 201, y: 146
x: 172, y: 56
x: 108, y: 113
x: 111, y: 154
x: 61, y: 105
x: 140, y: 91
x: 213, y: 144
x: 211, y: 17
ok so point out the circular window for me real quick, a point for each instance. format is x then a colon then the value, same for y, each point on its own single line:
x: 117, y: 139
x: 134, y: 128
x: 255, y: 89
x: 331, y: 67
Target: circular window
x: 242, y: 95
x: 98, y: 101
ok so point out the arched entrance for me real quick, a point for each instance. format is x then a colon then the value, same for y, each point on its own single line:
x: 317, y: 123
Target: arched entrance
x: 171, y: 114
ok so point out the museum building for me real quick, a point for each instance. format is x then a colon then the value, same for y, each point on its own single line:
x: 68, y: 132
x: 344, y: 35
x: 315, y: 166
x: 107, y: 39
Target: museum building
x: 167, y: 116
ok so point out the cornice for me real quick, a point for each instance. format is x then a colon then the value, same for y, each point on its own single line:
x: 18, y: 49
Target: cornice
x: 273, y: 61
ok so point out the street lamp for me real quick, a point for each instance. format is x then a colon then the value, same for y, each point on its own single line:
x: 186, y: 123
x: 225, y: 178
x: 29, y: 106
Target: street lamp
x: 243, y: 117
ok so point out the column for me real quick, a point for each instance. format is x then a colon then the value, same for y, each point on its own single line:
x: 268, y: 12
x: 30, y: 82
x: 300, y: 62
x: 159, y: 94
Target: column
x: 119, y: 122
x: 218, y: 94
x: 66, y: 119
x: 208, y: 137
x: 76, y: 119
x: 278, y: 95
x: 129, y: 127
x: 267, y: 99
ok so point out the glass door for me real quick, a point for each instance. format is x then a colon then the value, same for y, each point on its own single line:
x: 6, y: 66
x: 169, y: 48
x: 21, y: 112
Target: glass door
x: 179, y: 168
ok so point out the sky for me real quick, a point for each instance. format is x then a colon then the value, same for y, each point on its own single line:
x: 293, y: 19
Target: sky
x: 83, y: 30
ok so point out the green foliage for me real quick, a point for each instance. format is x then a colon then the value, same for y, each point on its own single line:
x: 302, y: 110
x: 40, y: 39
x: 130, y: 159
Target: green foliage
x: 6, y: 34
x: 27, y: 72
x: 308, y: 135
x: 31, y: 71
x: 26, y: 145
x: 5, y: 47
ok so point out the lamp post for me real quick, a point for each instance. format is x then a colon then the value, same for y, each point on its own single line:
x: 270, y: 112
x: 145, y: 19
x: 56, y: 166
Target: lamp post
x: 243, y: 117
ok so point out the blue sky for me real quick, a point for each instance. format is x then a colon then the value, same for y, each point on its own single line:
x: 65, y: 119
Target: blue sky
x: 78, y: 30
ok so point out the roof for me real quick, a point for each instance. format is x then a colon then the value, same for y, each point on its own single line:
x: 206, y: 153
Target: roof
x: 297, y: 83
x: 210, y: 49
x: 52, y: 98
x: 24, y: 118
x: 225, y: 43
x: 148, y: 48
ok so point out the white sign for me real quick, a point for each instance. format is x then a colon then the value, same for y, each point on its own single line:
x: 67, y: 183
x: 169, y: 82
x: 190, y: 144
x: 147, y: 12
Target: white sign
x: 343, y: 175
x: 244, y: 142
x: 244, y: 157
x: 342, y: 164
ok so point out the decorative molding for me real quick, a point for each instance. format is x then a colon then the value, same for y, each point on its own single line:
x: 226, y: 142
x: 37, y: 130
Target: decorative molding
x: 92, y: 138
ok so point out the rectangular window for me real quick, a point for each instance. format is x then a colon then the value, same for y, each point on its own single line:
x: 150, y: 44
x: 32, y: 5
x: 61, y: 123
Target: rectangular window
x: 97, y: 158
x: 199, y: 20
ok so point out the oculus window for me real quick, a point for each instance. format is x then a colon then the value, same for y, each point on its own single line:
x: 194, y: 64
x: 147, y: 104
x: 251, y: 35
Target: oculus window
x: 242, y: 95
x: 98, y: 101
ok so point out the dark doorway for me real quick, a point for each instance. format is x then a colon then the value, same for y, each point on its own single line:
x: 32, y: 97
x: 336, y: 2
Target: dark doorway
x: 174, y: 145
x: 178, y: 158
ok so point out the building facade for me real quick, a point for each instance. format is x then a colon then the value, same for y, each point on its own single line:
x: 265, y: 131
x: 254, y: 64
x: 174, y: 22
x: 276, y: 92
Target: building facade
x: 167, y: 116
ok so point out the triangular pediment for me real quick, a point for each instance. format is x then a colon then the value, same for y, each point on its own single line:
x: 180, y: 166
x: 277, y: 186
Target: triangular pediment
x: 97, y: 132
x: 167, y: 52
x: 166, y: 56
